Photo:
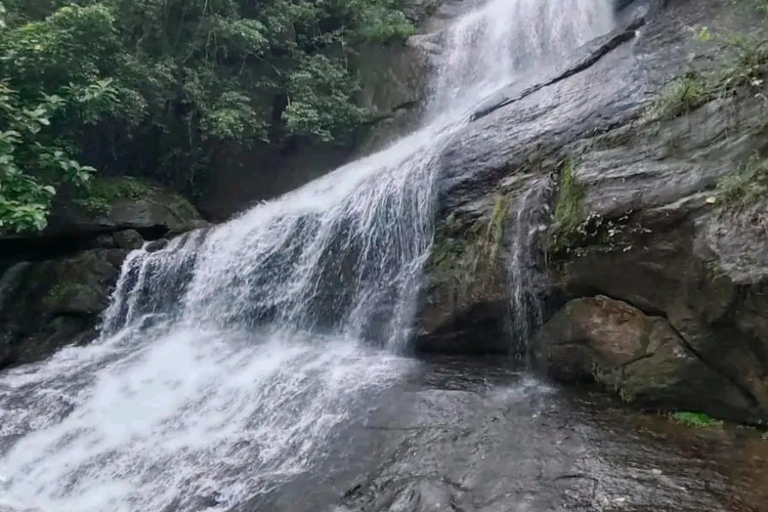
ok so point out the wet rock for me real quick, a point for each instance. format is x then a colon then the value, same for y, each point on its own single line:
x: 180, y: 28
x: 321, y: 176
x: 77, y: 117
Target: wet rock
x: 643, y: 221
x: 46, y: 305
x: 639, y: 356
x: 128, y: 239
x: 127, y: 204
x: 157, y: 245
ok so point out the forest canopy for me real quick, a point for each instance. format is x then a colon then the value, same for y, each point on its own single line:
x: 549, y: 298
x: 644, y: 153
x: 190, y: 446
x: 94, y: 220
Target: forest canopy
x: 155, y: 87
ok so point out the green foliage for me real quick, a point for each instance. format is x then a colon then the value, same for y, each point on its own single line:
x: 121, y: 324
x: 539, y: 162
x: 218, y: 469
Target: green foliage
x: 33, y: 162
x: 320, y: 100
x: 747, y: 68
x: 745, y: 186
x: 174, y: 81
x: 696, y: 420
x: 102, y: 192
x: 574, y: 233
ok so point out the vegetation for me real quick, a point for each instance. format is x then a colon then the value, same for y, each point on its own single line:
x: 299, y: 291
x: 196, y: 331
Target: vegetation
x: 158, y: 88
x: 746, y: 185
x: 696, y: 420
x: 102, y: 192
x: 573, y: 232
x: 680, y: 96
x: 746, y: 66
x: 568, y: 208
x: 568, y: 214
x: 62, y: 292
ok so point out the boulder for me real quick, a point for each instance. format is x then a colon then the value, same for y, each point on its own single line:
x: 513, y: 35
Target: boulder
x: 118, y: 204
x: 641, y: 357
x: 46, y: 305
x: 128, y: 239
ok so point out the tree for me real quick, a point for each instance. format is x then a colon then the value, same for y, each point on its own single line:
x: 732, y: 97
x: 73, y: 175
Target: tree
x: 165, y: 84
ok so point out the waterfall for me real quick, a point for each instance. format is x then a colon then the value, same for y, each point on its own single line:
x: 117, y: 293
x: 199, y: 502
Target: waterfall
x: 228, y: 359
x: 528, y: 218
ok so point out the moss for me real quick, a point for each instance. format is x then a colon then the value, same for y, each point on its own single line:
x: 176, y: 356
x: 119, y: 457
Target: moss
x: 102, y: 192
x: 745, y: 186
x: 696, y: 420
x: 465, y: 254
x: 681, y: 95
x: 495, y: 233
x: 63, y: 291
x: 181, y: 207
x: 568, y: 208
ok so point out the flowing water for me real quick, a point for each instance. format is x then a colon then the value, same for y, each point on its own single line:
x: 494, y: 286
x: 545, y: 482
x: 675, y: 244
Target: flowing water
x: 529, y: 217
x: 235, y: 363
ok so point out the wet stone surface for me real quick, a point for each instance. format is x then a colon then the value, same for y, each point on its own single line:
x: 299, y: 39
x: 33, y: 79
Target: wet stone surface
x: 459, y: 436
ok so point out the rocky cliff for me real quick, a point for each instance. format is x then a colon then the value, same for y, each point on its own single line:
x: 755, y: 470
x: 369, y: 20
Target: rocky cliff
x: 656, y: 242
x: 55, y: 285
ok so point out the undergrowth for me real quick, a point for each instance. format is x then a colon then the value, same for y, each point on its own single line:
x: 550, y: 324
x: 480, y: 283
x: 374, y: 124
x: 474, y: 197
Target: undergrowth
x: 746, y: 67
x: 696, y: 420
x: 744, y: 186
x: 103, y: 192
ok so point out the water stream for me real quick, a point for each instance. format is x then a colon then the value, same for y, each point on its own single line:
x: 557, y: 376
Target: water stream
x: 231, y: 361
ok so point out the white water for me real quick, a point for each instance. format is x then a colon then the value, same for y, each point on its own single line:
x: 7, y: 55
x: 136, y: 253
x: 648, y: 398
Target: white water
x: 230, y: 358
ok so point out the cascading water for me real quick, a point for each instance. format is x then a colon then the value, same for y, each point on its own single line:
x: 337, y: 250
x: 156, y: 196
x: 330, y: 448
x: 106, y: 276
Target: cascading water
x: 528, y: 219
x: 228, y: 358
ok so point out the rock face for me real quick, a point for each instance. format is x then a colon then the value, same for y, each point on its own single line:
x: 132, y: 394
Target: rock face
x: 55, y: 285
x: 135, y: 205
x: 641, y: 214
x: 642, y: 357
x: 48, y: 304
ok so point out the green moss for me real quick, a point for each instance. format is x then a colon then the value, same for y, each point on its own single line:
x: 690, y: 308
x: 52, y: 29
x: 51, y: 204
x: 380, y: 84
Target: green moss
x: 63, y: 291
x: 181, y: 207
x: 568, y: 209
x: 744, y: 186
x: 494, y: 235
x: 681, y: 95
x: 466, y: 253
x: 696, y: 420
x: 102, y: 192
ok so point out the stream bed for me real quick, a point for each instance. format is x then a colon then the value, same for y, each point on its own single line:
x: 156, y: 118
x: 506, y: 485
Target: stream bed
x: 477, y: 436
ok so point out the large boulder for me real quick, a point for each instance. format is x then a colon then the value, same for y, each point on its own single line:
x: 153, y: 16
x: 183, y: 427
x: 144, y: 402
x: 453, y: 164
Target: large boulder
x: 641, y: 357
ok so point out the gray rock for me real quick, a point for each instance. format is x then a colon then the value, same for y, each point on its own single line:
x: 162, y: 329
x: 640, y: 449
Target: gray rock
x: 157, y: 209
x: 128, y: 239
x: 156, y: 245
x: 49, y: 304
x: 641, y: 357
x: 648, y: 230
